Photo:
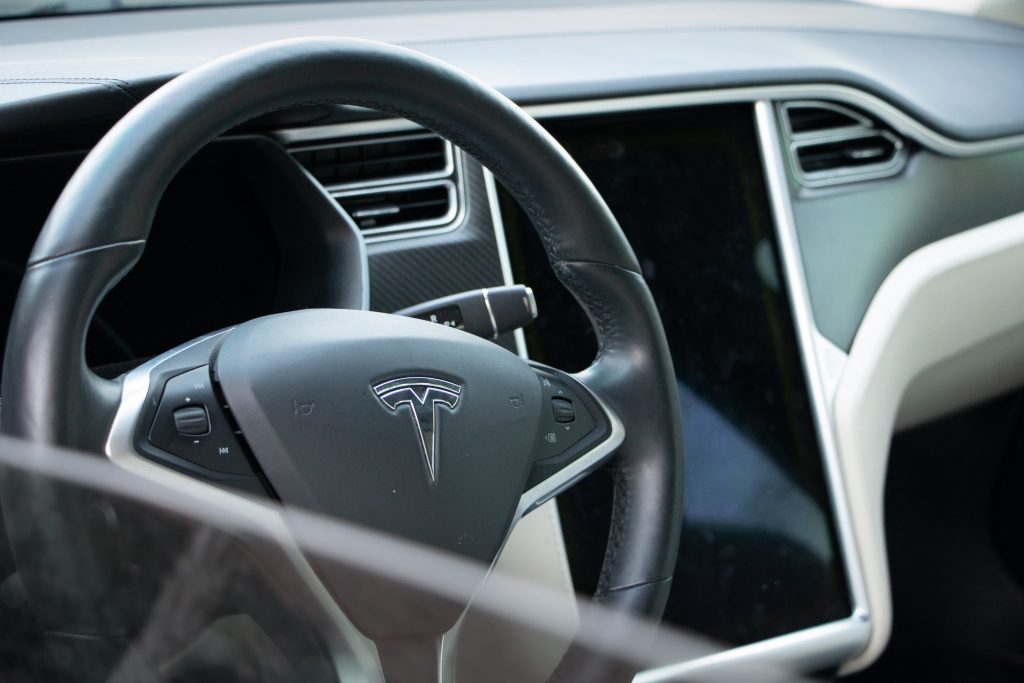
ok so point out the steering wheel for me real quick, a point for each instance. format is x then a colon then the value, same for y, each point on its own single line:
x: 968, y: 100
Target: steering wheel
x: 379, y: 419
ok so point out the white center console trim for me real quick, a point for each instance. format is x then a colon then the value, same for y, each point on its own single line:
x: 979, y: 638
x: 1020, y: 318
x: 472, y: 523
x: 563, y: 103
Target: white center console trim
x: 778, y: 659
x: 948, y: 316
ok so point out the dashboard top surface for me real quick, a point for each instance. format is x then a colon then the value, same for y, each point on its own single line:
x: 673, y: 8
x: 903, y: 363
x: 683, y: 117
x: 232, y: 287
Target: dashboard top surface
x: 565, y: 50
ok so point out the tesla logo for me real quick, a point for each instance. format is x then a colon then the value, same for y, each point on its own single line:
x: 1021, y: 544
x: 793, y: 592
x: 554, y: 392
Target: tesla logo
x: 423, y: 396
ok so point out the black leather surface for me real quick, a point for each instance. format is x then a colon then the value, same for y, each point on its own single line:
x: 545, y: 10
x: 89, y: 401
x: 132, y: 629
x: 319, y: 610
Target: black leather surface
x: 106, y: 209
x: 633, y: 373
x: 49, y: 395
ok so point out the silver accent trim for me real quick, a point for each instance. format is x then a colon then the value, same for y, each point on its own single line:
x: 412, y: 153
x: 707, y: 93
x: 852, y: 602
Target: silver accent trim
x: 500, y: 241
x: 582, y: 466
x: 355, y: 656
x: 789, y: 248
x: 490, y: 314
x: 531, y: 302
x: 895, y: 118
x: 782, y: 658
x: 831, y: 363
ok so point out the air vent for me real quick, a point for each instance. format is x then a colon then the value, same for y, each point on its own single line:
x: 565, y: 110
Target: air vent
x: 377, y: 160
x: 862, y: 151
x: 392, y: 186
x: 815, y: 117
x: 831, y: 144
x: 408, y: 206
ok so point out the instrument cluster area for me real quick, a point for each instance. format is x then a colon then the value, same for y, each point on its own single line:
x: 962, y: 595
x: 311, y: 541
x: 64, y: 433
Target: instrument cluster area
x: 213, y: 259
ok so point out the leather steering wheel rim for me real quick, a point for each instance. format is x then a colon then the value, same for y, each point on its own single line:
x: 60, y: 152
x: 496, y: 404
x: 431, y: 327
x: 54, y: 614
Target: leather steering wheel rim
x: 99, y: 227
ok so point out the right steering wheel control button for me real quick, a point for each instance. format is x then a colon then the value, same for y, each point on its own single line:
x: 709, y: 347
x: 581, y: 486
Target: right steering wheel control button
x: 563, y: 410
x: 568, y: 420
x: 191, y: 424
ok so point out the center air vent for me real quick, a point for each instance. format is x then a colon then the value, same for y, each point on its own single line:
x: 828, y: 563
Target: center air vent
x: 831, y: 144
x: 396, y: 185
x: 407, y: 205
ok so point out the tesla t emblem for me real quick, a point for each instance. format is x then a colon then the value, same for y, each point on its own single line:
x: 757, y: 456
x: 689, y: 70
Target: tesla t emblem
x: 423, y: 396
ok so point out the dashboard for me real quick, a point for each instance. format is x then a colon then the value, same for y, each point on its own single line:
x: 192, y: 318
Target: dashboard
x: 772, y: 166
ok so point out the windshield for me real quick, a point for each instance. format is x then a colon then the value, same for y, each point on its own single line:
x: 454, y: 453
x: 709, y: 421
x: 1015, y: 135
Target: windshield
x: 1009, y: 12
x: 182, y: 582
x: 29, y: 8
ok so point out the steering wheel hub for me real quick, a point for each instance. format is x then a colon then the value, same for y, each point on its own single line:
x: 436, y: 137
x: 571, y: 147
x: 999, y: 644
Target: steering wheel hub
x: 420, y: 430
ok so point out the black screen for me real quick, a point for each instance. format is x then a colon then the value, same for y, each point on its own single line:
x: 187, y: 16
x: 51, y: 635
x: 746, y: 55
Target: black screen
x: 758, y: 556
x: 211, y: 260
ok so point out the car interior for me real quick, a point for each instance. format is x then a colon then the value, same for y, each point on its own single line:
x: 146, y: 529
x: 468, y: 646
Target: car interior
x: 702, y: 313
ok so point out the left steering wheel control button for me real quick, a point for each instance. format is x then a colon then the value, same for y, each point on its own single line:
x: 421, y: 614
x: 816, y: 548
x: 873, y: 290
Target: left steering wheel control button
x: 192, y: 421
x: 563, y: 409
x: 191, y: 424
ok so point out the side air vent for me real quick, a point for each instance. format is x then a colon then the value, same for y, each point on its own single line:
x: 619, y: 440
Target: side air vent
x: 392, y: 186
x: 831, y: 144
x: 865, y: 150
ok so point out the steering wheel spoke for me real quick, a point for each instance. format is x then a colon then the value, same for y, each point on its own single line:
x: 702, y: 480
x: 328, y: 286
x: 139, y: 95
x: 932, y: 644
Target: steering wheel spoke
x: 172, y: 413
x: 578, y: 432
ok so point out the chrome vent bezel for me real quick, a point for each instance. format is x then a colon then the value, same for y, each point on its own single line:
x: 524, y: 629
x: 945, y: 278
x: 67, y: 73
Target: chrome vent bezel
x: 864, y: 127
x: 450, y: 176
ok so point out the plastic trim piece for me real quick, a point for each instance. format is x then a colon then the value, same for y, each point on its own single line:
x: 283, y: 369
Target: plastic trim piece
x: 776, y: 659
x: 943, y: 331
